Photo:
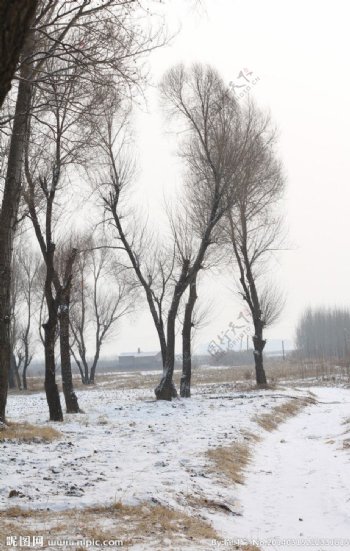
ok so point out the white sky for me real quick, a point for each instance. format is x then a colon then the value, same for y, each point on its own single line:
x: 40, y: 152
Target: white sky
x: 299, y: 50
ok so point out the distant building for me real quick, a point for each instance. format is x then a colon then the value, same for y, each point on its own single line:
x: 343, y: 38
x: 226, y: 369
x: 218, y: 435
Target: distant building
x: 140, y: 360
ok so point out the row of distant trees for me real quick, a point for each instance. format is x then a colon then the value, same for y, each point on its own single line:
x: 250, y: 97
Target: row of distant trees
x: 66, y: 136
x: 324, y: 333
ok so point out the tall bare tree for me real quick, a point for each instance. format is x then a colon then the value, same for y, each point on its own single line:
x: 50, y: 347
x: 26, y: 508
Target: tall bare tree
x: 55, y: 143
x: 255, y: 227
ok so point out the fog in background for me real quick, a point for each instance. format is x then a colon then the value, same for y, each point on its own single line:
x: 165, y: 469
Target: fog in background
x: 299, y: 53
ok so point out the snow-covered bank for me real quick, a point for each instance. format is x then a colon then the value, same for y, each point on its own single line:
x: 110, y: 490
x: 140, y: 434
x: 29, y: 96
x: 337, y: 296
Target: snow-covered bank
x: 298, y: 486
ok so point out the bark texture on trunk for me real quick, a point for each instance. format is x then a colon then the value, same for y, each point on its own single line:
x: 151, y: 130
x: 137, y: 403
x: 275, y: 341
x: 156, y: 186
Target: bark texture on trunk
x: 185, y: 383
x: 24, y: 377
x: 259, y: 345
x: 70, y: 397
x: 8, y: 221
x: 50, y: 328
x: 51, y: 389
x: 15, y: 19
x: 17, y: 376
x: 165, y: 389
x: 11, y: 374
x: 93, y: 367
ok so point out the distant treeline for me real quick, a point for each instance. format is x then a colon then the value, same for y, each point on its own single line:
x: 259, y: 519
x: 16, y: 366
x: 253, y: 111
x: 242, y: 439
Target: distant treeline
x: 324, y: 333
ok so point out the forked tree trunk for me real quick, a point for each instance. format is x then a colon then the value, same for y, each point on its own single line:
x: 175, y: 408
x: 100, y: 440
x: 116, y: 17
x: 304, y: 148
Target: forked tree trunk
x: 70, y: 397
x: 84, y: 374
x: 85, y: 379
x: 259, y: 345
x: 165, y: 389
x: 163, y: 347
x: 8, y: 221
x: 185, y: 384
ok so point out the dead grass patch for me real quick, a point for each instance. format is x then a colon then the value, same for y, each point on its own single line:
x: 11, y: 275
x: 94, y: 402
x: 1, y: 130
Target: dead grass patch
x: 25, y: 432
x: 231, y: 460
x: 270, y: 421
x: 143, y: 523
x: 150, y: 520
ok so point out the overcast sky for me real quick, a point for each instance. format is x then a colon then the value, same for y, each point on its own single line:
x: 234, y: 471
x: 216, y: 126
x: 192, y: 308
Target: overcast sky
x: 299, y: 52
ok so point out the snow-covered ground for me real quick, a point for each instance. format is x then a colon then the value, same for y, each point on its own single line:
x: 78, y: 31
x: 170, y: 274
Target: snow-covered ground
x: 298, y: 486
x: 127, y: 447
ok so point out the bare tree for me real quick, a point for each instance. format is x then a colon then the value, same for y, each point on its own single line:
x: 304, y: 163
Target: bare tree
x: 152, y: 262
x: 102, y: 295
x: 255, y: 227
x: 54, y: 143
x: 213, y: 152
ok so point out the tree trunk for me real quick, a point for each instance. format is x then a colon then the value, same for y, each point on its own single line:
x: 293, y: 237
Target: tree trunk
x: 15, y: 17
x: 86, y: 374
x: 24, y: 377
x: 259, y: 345
x: 17, y: 376
x: 50, y: 327
x: 70, y: 397
x: 165, y: 389
x: 51, y: 389
x: 11, y: 374
x: 8, y: 221
x: 185, y: 384
x: 93, y: 369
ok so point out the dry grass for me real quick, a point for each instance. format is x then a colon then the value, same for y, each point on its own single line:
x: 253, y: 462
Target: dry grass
x: 151, y: 520
x: 143, y: 523
x: 232, y: 460
x: 270, y: 421
x: 25, y: 432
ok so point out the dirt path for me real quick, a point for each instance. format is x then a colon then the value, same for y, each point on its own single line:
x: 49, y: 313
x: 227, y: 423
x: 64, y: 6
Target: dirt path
x: 298, y: 485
